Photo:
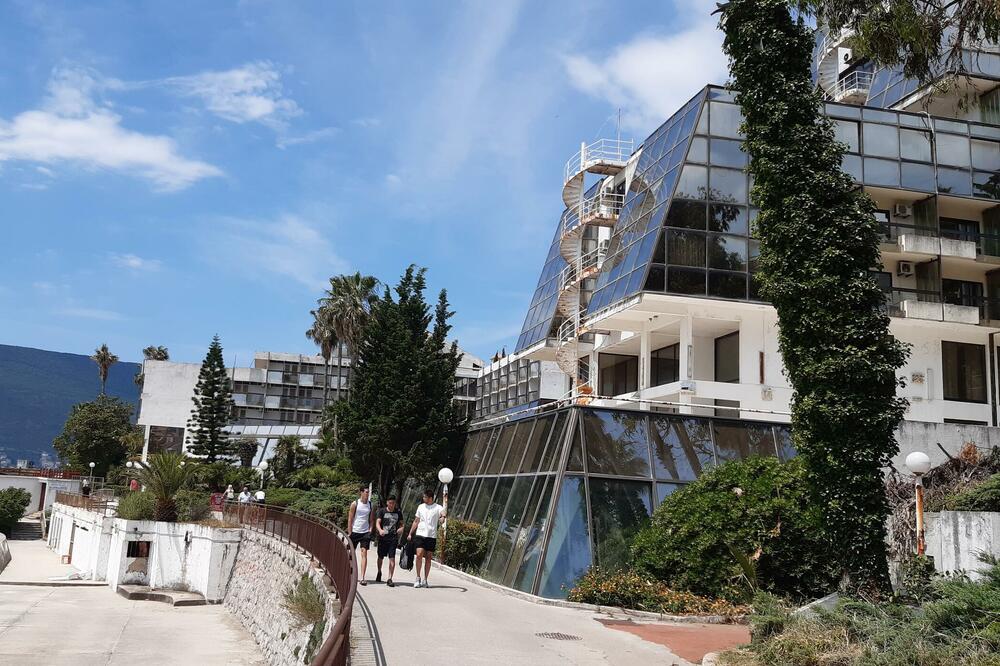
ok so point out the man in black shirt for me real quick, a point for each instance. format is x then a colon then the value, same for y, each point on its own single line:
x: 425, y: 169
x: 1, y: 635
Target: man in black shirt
x: 389, y: 523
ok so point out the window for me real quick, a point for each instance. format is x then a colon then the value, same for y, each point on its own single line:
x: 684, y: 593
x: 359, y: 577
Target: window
x: 618, y: 374
x: 964, y: 369
x: 962, y: 292
x: 137, y: 549
x: 966, y: 230
x: 664, y: 365
x: 727, y: 358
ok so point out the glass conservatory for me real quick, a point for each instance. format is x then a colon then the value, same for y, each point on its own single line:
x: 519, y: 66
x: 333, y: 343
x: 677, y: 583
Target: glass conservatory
x: 569, y: 488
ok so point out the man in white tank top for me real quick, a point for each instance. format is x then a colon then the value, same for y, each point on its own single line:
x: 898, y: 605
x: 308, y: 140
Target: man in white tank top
x: 359, y: 521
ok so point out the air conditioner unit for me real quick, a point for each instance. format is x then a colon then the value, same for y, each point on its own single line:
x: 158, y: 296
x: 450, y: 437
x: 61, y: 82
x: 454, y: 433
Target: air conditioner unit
x: 848, y: 56
x: 902, y: 210
x: 904, y: 268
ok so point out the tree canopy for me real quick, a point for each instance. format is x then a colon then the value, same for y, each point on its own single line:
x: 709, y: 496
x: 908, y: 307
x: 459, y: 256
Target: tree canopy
x: 213, y: 408
x: 95, y: 432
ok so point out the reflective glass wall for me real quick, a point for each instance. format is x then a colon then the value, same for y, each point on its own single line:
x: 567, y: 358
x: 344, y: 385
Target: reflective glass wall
x: 568, y: 489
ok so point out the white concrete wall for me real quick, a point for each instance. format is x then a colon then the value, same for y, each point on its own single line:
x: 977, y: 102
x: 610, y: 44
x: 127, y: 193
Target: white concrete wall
x: 955, y: 539
x: 167, y: 389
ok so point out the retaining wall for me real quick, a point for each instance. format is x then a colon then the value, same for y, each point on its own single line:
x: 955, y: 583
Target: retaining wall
x: 955, y: 538
x: 265, y: 570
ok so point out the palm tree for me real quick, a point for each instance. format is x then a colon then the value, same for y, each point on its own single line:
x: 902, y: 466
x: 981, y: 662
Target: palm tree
x: 322, y: 333
x: 104, y: 360
x: 163, y: 474
x: 150, y: 353
x: 349, y: 301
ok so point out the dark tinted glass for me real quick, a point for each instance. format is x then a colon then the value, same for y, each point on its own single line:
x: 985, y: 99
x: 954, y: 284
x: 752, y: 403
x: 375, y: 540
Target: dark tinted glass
x: 554, y: 449
x: 693, y: 183
x: 507, y: 529
x: 783, y: 438
x: 685, y: 281
x: 495, y: 463
x: 727, y: 218
x: 499, y: 500
x: 518, y: 444
x: 524, y: 558
x: 619, y: 510
x: 686, y: 248
x: 616, y: 443
x: 964, y: 369
x: 682, y: 447
x: 727, y: 285
x: 727, y: 153
x: 881, y: 172
x: 477, y: 512
x: 728, y: 185
x: 727, y: 252
x: 575, y: 461
x: 686, y: 214
x: 656, y: 281
x: 568, y: 554
x: 742, y: 440
x: 536, y: 445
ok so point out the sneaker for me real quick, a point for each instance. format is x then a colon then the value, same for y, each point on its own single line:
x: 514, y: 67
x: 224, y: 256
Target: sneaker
x: 378, y: 577
x: 417, y: 584
x: 389, y: 583
x: 426, y: 584
x: 364, y: 582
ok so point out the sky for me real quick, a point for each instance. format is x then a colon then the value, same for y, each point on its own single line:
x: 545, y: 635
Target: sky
x: 172, y: 171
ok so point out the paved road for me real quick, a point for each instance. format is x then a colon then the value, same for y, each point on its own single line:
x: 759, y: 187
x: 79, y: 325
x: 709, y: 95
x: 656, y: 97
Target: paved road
x: 458, y: 622
x: 33, y: 561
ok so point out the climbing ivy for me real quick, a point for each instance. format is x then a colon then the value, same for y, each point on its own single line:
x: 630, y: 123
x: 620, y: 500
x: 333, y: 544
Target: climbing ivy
x: 818, y: 241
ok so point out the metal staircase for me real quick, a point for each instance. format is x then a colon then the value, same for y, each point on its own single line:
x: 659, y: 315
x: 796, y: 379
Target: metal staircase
x: 604, y: 157
x: 827, y: 62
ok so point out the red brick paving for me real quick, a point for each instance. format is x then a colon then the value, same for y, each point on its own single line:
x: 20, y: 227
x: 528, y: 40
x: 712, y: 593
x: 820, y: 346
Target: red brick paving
x: 688, y: 641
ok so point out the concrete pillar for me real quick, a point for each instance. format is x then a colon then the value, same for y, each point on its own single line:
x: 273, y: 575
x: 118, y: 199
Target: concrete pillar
x: 686, y: 369
x: 644, y: 362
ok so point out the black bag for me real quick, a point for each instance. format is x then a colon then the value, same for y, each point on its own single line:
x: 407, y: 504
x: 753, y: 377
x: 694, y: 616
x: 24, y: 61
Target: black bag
x: 406, y: 556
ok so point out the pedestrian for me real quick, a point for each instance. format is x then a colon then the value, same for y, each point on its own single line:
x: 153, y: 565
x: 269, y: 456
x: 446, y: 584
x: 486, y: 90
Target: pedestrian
x: 359, y: 520
x: 133, y: 485
x: 389, y: 523
x: 258, y: 496
x: 245, y: 496
x: 230, y: 493
x: 85, y: 490
x: 425, y: 524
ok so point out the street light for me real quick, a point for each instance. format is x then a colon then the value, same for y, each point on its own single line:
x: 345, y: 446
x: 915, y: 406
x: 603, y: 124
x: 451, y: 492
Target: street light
x: 263, y: 471
x: 445, y: 476
x: 92, y: 465
x: 919, y: 464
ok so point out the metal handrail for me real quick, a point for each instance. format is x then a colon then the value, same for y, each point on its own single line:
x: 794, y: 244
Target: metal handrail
x: 831, y: 42
x: 861, y: 81
x: 325, y: 543
x: 87, y: 502
x: 567, y: 330
x: 605, y: 204
x: 576, y: 271
x: 602, y: 150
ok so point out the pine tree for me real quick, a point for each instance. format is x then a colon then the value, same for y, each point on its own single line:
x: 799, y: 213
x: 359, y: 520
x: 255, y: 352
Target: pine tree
x: 402, y: 421
x: 213, y: 407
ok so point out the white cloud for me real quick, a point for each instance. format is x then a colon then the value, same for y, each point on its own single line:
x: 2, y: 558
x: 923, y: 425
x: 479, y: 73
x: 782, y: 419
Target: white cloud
x: 73, y: 126
x: 393, y: 181
x: 369, y: 121
x: 136, y: 263
x: 653, y: 75
x: 251, y: 93
x: 91, y: 313
x: 308, y: 137
x: 289, y: 247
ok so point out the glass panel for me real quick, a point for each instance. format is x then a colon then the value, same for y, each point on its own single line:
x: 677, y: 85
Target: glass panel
x: 918, y: 177
x: 986, y: 155
x: 466, y: 501
x: 616, y: 443
x: 727, y: 218
x: 553, y: 450
x: 783, y: 438
x: 986, y: 184
x: 914, y: 145
x: 507, y: 529
x: 619, y: 509
x: 482, y: 501
x: 536, y: 445
x: 881, y: 140
x: 847, y: 132
x: 494, y: 464
x: 575, y: 462
x: 488, y: 449
x: 524, y: 562
x: 499, y: 500
x: 686, y: 248
x: 728, y: 153
x: 954, y: 181
x: 742, y: 440
x: 568, y: 554
x: 517, y: 448
x: 727, y: 185
x: 952, y: 150
x: 725, y: 120
x: 685, y: 281
x: 686, y: 214
x: 664, y: 489
x: 693, y: 183
x: 682, y: 447
x: 699, y: 150
x: 727, y: 285
x: 881, y: 172
x: 727, y: 252
x: 964, y: 369
x: 657, y: 278
x: 472, y: 442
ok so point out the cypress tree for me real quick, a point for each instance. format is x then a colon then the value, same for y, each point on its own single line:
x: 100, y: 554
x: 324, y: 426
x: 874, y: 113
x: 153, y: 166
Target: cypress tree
x: 213, y: 408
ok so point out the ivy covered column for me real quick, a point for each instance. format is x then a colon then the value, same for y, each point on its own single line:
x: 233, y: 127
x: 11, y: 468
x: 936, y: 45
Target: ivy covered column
x: 819, y: 239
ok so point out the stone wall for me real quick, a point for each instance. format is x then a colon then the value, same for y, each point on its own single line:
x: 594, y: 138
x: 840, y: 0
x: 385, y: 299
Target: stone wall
x: 4, y: 553
x: 956, y: 538
x: 265, y: 570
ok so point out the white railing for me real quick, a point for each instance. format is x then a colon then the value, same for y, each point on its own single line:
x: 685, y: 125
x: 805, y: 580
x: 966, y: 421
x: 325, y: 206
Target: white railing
x: 855, y: 82
x: 606, y: 205
x: 589, y: 262
x: 832, y: 41
x: 567, y: 330
x: 615, y: 151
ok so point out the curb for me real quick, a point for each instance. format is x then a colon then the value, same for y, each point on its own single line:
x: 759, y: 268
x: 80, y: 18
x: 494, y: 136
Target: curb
x: 55, y: 583
x: 710, y: 659
x: 608, y: 610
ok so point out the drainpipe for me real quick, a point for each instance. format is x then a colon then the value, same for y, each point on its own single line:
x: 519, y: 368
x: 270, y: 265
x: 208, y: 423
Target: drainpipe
x: 993, y: 377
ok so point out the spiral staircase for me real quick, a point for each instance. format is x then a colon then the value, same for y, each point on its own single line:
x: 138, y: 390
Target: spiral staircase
x: 827, y: 62
x: 605, y: 157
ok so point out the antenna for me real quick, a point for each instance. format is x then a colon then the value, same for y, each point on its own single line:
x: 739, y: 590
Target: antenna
x: 618, y: 129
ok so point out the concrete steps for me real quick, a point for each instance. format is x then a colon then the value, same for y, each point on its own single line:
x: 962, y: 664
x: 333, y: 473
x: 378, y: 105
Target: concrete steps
x: 172, y: 597
x: 26, y: 530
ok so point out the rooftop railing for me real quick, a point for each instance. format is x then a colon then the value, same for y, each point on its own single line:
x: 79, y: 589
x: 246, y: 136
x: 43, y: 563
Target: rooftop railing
x: 606, y: 151
x: 856, y: 82
x: 605, y: 205
x: 103, y: 504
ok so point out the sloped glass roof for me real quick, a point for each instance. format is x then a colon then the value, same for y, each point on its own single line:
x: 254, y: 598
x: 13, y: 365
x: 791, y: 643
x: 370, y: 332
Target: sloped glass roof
x: 890, y: 86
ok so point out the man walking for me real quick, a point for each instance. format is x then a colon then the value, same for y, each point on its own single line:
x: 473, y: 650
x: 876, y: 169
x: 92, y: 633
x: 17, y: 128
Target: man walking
x: 359, y: 520
x: 425, y: 524
x: 389, y: 523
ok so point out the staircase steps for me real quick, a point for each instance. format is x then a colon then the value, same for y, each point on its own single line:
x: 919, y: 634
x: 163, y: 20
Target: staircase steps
x: 26, y: 530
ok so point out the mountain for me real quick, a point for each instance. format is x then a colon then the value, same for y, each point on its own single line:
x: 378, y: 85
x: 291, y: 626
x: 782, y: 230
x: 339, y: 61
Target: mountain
x: 37, y: 390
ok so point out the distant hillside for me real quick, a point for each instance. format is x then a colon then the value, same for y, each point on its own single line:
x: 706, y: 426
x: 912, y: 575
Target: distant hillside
x: 37, y: 390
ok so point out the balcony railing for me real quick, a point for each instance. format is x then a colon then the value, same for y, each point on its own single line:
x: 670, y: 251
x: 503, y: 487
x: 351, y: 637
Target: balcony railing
x: 986, y: 243
x: 855, y: 83
x: 603, y: 205
x: 989, y: 308
x: 602, y: 151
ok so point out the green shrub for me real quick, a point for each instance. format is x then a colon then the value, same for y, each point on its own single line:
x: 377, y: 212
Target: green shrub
x: 281, y: 496
x: 465, y: 547
x: 984, y: 497
x: 916, y: 575
x: 13, y: 502
x: 193, y: 505
x: 137, y: 506
x: 330, y: 503
x: 626, y: 588
x: 319, y: 476
x: 756, y: 509
x: 305, y: 602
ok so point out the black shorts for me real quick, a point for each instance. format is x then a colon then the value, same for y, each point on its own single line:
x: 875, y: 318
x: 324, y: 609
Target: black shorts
x: 363, y: 539
x: 387, y: 547
x: 427, y: 543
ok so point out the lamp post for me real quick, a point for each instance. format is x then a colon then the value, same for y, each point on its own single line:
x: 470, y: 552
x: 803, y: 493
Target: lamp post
x: 445, y: 476
x: 262, y: 468
x: 919, y: 464
x: 92, y: 465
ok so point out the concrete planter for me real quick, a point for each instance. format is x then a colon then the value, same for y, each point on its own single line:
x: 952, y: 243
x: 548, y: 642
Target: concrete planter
x: 956, y: 538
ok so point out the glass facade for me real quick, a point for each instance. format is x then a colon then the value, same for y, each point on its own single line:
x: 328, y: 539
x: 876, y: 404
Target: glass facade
x: 567, y: 489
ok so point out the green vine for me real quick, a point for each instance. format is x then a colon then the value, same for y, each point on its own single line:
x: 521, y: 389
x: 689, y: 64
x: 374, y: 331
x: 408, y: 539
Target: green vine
x: 819, y: 240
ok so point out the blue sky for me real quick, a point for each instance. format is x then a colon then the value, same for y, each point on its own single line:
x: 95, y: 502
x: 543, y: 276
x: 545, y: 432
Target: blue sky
x: 169, y: 171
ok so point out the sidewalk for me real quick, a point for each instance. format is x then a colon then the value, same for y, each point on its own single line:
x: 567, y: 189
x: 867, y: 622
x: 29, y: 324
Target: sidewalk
x: 455, y: 621
x: 33, y: 562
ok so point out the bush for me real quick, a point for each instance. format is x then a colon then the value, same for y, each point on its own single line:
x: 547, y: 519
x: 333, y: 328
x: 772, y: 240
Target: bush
x: 465, y: 547
x: 137, y: 506
x: 756, y: 511
x: 958, y: 627
x: 305, y: 602
x: 332, y: 504
x: 13, y: 502
x: 319, y: 476
x: 193, y: 505
x: 282, y: 496
x: 630, y: 589
x: 984, y: 497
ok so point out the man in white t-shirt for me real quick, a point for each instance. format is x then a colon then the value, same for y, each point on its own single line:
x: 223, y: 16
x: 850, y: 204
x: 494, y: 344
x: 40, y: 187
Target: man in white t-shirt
x: 425, y: 524
x: 245, y: 496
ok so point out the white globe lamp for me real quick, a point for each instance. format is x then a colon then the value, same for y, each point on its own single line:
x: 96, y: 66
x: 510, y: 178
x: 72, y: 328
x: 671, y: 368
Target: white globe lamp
x: 918, y: 463
x: 445, y: 475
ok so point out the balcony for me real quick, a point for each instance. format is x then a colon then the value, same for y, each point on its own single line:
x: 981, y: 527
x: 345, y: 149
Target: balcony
x: 929, y: 305
x: 853, y: 88
x: 929, y: 242
x: 604, y: 156
x: 602, y: 209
